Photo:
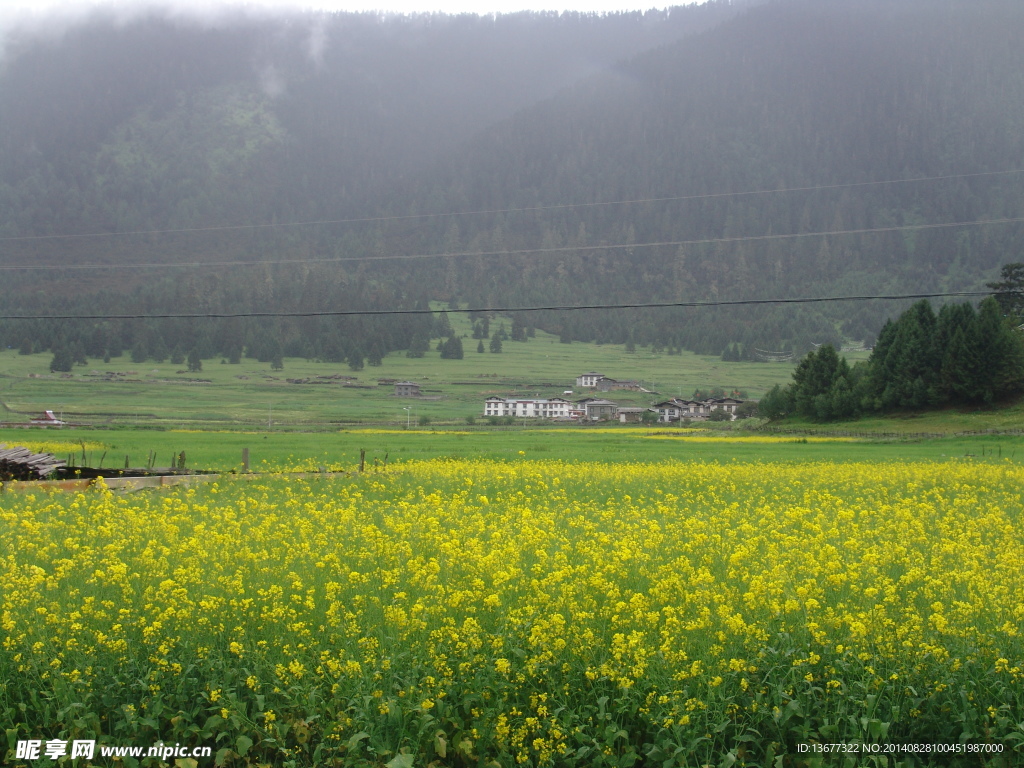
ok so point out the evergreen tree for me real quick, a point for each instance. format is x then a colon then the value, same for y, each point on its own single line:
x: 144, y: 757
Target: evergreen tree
x: 1002, y: 352
x: 62, y: 360
x: 158, y: 349
x: 961, y: 367
x: 496, y: 344
x: 1010, y: 289
x: 355, y: 358
x: 139, y: 353
x: 78, y: 353
x: 814, y: 379
x: 452, y: 348
x: 905, y: 362
x: 375, y: 356
x: 518, y: 329
x: 418, y: 346
x: 195, y: 363
x: 480, y: 346
x: 842, y: 401
x: 442, y: 326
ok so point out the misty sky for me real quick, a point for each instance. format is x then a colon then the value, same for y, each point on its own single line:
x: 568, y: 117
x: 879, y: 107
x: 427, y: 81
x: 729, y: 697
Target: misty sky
x: 38, y: 8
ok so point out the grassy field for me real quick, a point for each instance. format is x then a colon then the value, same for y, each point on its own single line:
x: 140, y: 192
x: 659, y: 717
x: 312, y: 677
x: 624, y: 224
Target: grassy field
x: 948, y: 421
x: 528, y: 612
x: 251, y: 394
x: 340, y: 450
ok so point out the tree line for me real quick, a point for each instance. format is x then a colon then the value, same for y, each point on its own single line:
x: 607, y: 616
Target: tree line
x: 923, y: 359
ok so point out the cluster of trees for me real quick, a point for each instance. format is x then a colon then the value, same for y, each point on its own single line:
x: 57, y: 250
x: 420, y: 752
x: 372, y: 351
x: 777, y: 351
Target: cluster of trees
x: 355, y: 340
x: 960, y: 356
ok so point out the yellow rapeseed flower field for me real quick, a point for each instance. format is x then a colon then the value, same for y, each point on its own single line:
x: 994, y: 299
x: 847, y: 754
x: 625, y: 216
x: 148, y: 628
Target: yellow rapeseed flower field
x: 524, y: 613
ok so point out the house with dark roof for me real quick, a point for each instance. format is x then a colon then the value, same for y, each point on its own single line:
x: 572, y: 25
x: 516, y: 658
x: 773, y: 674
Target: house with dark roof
x: 407, y: 389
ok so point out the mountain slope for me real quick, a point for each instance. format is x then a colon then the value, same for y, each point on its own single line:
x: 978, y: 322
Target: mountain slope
x: 788, y: 95
x: 402, y: 120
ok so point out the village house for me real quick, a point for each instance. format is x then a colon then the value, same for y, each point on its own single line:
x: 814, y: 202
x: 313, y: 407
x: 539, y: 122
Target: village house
x: 630, y: 415
x: 727, y: 404
x: 677, y: 408
x: 48, y: 419
x: 604, y: 384
x: 695, y: 410
x: 407, y: 389
x: 532, y: 408
x: 600, y: 410
x: 588, y: 379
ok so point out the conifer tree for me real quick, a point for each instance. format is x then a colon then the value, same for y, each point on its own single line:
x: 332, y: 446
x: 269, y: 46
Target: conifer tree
x: 62, y: 360
x: 1010, y: 289
x: 451, y: 348
x: 1002, y: 350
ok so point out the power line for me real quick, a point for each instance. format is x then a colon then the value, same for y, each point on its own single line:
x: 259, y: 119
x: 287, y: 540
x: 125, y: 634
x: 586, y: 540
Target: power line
x: 490, y: 211
x: 497, y: 310
x: 511, y: 252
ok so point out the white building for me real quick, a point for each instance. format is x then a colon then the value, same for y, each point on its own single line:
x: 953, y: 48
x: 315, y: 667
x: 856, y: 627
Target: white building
x: 533, y: 408
x: 588, y: 379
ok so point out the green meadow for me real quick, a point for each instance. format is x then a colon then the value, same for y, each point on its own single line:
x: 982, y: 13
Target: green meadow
x: 249, y: 394
x: 340, y: 450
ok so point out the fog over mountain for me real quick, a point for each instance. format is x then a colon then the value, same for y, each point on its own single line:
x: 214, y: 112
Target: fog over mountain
x: 159, y: 123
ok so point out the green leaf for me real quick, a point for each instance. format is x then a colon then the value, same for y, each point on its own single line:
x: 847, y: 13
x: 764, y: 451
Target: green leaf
x: 353, y: 743
x: 243, y: 744
x: 400, y: 761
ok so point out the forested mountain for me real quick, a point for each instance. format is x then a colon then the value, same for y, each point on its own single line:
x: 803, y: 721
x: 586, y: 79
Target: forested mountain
x: 712, y: 114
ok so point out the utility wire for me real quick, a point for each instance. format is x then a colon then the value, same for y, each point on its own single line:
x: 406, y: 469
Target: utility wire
x: 510, y: 252
x: 488, y: 211
x: 497, y: 310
